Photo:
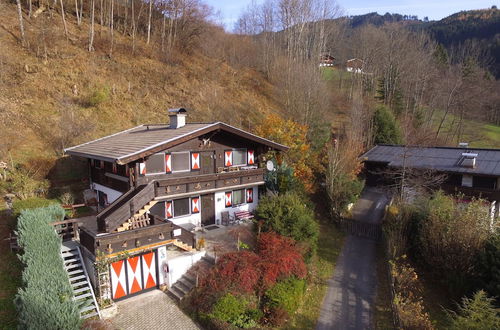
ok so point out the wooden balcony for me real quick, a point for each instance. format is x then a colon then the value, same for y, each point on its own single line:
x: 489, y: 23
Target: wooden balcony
x: 488, y: 194
x: 194, y: 184
x: 159, y: 232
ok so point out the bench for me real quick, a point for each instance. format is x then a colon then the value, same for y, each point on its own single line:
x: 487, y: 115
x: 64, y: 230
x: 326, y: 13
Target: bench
x: 243, y: 215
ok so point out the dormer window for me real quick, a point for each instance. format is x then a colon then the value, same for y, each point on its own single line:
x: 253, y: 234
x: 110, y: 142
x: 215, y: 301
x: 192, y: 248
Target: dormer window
x: 468, y: 160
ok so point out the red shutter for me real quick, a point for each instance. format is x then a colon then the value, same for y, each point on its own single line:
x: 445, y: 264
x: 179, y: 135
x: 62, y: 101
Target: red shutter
x: 114, y: 168
x: 228, y: 198
x: 168, y: 209
x: 250, y: 195
x: 195, y: 161
x: 101, y: 165
x: 195, y: 205
x: 250, y: 158
x: 228, y: 158
x: 127, y: 170
x: 142, y: 168
x: 168, y: 163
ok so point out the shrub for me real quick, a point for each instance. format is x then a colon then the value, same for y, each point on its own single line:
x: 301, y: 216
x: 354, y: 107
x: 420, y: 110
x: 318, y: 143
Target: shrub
x: 279, y: 259
x: 45, y: 299
x: 488, y: 266
x: 276, y: 316
x: 286, y: 294
x: 407, y: 300
x: 476, y: 313
x: 451, y: 237
x: 235, y: 310
x: 31, y: 203
x: 98, y: 96
x: 290, y: 216
x: 23, y: 184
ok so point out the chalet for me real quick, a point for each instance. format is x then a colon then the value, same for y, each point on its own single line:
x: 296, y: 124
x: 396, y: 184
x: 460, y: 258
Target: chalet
x: 326, y: 60
x: 155, y: 184
x: 473, y: 172
x: 355, y: 65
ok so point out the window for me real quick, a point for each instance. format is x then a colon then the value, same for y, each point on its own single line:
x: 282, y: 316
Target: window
x: 155, y: 164
x: 180, y: 162
x: 240, y: 157
x: 181, y: 207
x: 238, y: 197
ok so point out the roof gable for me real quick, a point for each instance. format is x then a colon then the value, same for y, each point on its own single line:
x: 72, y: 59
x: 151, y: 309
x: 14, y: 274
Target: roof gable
x: 135, y: 143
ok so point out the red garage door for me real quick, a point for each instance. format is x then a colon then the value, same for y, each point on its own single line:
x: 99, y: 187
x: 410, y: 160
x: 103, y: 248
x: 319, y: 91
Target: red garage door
x: 133, y: 275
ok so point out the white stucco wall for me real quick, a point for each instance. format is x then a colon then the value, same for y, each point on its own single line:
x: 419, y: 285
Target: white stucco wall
x: 179, y: 266
x: 111, y: 193
x: 194, y: 219
x: 221, y: 207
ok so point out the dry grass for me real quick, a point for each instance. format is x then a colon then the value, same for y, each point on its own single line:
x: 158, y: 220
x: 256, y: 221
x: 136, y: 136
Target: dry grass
x: 34, y: 88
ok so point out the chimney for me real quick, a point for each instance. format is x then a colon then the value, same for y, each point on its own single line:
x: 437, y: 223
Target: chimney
x: 463, y: 145
x: 177, y: 117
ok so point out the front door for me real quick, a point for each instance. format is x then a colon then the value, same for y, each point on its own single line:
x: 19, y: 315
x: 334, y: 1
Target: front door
x: 207, y: 162
x: 207, y: 209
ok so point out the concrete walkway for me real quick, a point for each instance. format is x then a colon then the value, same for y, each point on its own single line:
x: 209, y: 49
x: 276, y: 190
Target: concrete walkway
x: 153, y: 310
x: 352, y: 288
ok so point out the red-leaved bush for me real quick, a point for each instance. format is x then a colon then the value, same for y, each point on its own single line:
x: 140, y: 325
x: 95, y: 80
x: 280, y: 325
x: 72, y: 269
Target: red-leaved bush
x: 280, y: 258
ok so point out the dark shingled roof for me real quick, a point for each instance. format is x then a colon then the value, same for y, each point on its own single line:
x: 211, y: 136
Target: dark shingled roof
x: 128, y: 145
x: 445, y: 159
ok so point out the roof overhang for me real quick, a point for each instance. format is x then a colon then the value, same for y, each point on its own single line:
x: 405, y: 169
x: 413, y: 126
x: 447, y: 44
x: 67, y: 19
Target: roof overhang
x: 218, y: 126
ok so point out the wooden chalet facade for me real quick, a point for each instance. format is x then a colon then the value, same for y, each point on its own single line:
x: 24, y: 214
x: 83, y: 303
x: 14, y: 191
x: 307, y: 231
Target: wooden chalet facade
x: 155, y: 184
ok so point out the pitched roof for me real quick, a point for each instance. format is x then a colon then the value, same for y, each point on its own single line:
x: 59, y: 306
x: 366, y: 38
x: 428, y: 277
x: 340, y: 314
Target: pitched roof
x: 134, y: 143
x: 445, y: 159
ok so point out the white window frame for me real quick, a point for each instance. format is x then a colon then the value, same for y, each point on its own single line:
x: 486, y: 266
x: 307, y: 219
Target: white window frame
x: 155, y: 173
x: 172, y: 154
x: 245, y: 152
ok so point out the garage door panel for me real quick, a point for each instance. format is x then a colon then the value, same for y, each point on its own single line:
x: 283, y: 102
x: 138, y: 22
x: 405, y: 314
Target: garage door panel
x: 118, y: 279
x: 149, y: 270
x: 134, y: 275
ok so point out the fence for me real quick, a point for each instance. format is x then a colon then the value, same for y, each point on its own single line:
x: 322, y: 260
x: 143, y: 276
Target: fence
x: 361, y: 229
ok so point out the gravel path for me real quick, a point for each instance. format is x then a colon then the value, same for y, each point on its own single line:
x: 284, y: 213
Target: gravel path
x: 348, y: 302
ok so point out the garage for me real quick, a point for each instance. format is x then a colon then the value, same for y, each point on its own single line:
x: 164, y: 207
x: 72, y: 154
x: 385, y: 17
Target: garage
x: 134, y: 275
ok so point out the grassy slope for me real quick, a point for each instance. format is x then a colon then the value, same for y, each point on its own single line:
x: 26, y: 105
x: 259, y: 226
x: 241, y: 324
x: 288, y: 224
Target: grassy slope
x: 477, y: 134
x: 141, y: 87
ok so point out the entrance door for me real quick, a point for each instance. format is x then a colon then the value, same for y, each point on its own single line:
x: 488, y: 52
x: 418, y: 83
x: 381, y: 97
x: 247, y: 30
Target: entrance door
x: 207, y: 210
x: 207, y: 162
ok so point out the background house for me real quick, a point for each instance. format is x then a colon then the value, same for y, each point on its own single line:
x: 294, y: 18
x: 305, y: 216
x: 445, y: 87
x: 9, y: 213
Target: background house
x: 355, y: 65
x: 326, y: 60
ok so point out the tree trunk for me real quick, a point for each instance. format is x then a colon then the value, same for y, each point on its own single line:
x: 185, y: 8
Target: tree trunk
x: 64, y: 20
x: 111, y: 27
x: 149, y: 20
x: 91, y: 33
x: 78, y: 22
x: 21, y: 26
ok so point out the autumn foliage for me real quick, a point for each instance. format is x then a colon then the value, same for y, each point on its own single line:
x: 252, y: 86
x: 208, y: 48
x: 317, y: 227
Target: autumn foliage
x: 247, y: 273
x: 293, y: 135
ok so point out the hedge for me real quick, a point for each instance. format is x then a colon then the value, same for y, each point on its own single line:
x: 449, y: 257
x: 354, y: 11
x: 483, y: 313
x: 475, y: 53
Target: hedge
x: 45, y: 299
x: 286, y: 294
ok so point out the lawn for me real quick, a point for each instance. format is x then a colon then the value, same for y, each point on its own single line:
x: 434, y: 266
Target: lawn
x: 476, y: 133
x: 321, y: 268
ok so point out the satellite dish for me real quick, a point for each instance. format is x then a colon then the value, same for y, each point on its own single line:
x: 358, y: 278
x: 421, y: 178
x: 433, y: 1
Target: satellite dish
x: 270, y: 165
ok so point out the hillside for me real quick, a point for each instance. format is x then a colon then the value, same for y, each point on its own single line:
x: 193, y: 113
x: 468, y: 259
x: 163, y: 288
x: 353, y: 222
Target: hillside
x: 57, y: 93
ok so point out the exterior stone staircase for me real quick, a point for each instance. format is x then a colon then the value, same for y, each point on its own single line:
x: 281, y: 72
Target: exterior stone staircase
x: 183, y: 246
x: 79, y: 280
x: 188, y: 281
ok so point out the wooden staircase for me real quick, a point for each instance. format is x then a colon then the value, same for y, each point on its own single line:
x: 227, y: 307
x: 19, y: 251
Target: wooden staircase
x: 79, y: 280
x: 138, y: 220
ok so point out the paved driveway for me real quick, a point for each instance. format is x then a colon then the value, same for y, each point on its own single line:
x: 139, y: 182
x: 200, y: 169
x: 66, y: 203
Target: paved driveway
x: 153, y: 310
x: 348, y: 302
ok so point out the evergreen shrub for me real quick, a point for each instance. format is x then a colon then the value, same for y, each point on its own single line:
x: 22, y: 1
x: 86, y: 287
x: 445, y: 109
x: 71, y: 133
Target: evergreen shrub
x: 286, y: 294
x: 45, y: 299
